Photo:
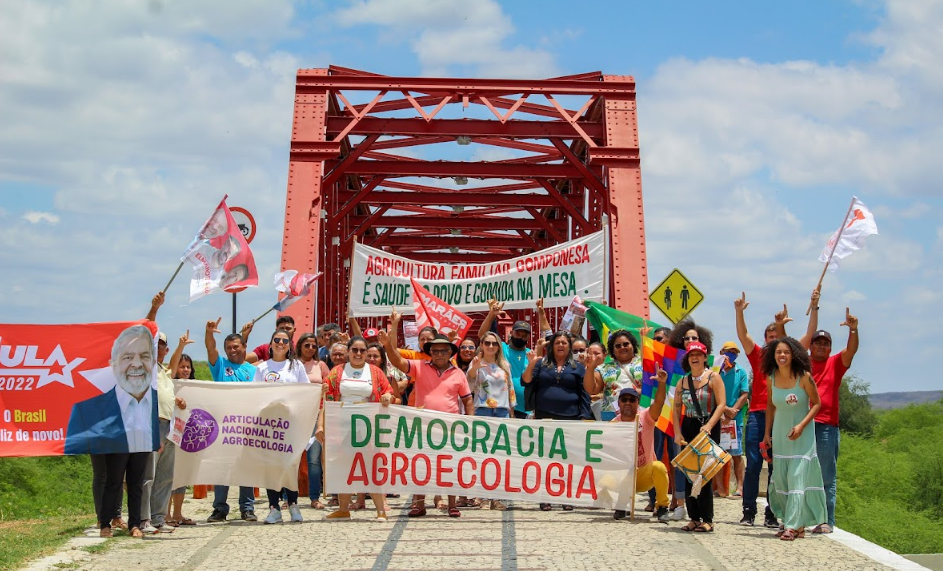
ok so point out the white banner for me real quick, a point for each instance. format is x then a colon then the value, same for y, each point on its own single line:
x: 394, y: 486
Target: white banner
x: 380, y: 281
x: 395, y: 449
x: 243, y: 434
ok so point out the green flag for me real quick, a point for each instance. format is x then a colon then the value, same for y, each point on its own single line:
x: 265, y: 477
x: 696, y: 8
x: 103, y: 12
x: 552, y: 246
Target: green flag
x: 605, y: 320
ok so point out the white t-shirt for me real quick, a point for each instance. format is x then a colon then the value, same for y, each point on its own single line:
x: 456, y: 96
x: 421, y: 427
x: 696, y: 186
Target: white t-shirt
x: 287, y: 371
x: 490, y: 387
x: 356, y: 384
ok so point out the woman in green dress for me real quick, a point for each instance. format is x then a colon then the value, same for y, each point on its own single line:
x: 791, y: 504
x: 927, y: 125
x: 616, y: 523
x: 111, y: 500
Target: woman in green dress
x: 796, y: 494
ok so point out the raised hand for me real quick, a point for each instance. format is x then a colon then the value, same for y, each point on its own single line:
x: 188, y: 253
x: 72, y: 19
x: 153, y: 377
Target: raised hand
x: 782, y: 317
x: 158, y: 300
x: 540, y: 304
x: 383, y: 337
x: 452, y: 335
x: 345, y: 337
x: 644, y: 330
x: 185, y: 338
x: 213, y: 326
x: 395, y: 316
x: 594, y: 361
x: 246, y: 330
x: 661, y: 375
x: 494, y: 306
x: 541, y: 345
x: 476, y: 363
x: 742, y: 303
x: 851, y: 322
x: 816, y: 294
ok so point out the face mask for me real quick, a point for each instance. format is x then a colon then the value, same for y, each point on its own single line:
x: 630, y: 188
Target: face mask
x: 731, y: 356
x: 518, y: 343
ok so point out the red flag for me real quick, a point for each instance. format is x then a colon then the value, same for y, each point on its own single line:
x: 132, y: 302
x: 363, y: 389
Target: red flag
x: 220, y: 256
x: 432, y: 311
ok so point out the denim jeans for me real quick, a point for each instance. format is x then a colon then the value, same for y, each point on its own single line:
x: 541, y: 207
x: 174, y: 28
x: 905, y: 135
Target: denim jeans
x: 163, y: 477
x: 661, y: 441
x: 492, y: 412
x: 315, y: 471
x: 246, y: 498
x: 827, y: 442
x: 756, y: 428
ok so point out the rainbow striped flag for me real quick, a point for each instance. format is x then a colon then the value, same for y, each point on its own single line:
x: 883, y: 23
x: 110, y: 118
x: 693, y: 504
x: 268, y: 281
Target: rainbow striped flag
x: 669, y: 359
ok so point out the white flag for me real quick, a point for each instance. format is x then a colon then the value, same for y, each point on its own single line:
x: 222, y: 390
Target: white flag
x: 857, y: 226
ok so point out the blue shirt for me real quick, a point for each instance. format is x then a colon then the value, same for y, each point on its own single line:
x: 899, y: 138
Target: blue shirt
x: 517, y: 359
x: 224, y: 371
x: 560, y: 393
x: 736, y: 382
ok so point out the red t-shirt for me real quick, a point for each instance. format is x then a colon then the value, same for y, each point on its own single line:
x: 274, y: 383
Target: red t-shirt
x: 828, y: 375
x: 758, y: 396
x: 262, y: 352
x: 645, y: 437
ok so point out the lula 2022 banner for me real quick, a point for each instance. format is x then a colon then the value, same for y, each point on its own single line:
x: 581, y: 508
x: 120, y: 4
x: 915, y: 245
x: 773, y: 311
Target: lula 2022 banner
x: 379, y: 280
x: 243, y: 434
x: 73, y: 389
x: 371, y: 448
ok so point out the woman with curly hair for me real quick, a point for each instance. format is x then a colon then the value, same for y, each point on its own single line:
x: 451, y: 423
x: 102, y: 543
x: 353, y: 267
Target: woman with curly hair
x: 796, y: 494
x: 687, y: 332
x: 610, y: 377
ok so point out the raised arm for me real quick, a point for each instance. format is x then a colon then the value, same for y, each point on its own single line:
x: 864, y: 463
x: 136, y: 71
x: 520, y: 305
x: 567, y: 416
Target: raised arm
x: 592, y: 380
x: 392, y: 353
x: 156, y: 302
x: 354, y: 327
x: 661, y: 393
x: 212, y: 328
x: 746, y: 341
x: 542, y: 320
x: 528, y: 375
x: 780, y: 320
x: 848, y: 353
x: 178, y: 352
x: 813, y: 326
x: 494, y: 307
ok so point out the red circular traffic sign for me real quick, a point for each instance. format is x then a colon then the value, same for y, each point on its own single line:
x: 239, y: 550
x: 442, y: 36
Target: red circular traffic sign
x: 245, y: 221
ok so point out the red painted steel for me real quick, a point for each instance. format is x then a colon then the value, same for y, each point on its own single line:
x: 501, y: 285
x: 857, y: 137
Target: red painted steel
x: 397, y: 163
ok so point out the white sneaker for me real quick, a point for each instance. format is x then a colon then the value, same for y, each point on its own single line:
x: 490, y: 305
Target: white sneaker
x: 274, y: 516
x: 164, y: 528
x: 678, y: 513
x: 295, y: 512
x: 149, y: 529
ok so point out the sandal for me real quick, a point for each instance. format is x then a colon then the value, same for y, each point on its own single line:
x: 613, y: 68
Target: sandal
x: 788, y: 535
x: 705, y: 528
x: 186, y: 521
x: 567, y: 508
x: 119, y: 523
x: 137, y: 533
x: 474, y: 503
x: 172, y: 523
x: 545, y: 507
x: 822, y: 528
x: 461, y: 502
x: 417, y: 511
x: 649, y: 508
x: 454, y: 512
x: 106, y: 532
x: 692, y: 525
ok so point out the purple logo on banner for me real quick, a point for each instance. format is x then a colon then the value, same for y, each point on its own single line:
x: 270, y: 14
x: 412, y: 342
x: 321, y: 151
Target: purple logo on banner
x: 201, y: 431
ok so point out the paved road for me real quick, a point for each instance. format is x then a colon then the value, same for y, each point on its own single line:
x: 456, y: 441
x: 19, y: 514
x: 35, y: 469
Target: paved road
x: 521, y: 539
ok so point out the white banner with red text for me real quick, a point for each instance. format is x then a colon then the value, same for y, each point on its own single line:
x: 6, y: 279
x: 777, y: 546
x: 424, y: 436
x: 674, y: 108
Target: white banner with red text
x: 396, y: 449
x: 380, y: 281
x: 242, y: 434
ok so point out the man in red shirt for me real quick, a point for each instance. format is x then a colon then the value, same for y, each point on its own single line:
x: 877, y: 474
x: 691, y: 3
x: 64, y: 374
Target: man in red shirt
x: 828, y: 370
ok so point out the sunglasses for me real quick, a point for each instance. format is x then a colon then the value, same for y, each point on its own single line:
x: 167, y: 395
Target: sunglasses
x: 579, y: 350
x: 490, y: 343
x: 691, y: 338
x: 279, y: 341
x: 468, y: 348
x: 357, y: 350
x: 440, y: 352
x: 309, y: 346
x: 660, y: 338
x: 628, y: 399
x: 621, y: 345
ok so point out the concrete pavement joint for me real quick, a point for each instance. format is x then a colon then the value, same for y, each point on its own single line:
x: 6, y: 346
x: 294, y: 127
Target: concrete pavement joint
x: 386, y: 552
x: 203, y: 553
x: 508, y: 539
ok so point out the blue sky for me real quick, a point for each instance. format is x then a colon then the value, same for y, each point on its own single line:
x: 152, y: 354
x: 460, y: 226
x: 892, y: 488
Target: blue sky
x: 124, y: 123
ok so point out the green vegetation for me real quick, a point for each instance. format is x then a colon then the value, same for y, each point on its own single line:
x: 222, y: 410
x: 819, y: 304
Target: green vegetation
x: 890, y: 473
x: 43, y: 502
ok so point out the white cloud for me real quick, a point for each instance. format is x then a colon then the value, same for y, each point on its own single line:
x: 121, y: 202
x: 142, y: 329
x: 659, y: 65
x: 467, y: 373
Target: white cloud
x: 454, y: 37
x: 34, y: 217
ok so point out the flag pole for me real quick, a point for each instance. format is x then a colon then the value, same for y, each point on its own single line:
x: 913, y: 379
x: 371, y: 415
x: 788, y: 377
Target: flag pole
x: 832, y: 253
x: 172, y: 278
x: 605, y: 258
x: 270, y: 310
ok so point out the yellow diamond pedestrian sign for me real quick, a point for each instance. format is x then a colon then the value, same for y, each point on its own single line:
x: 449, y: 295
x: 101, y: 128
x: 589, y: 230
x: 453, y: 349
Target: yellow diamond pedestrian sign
x: 676, y: 296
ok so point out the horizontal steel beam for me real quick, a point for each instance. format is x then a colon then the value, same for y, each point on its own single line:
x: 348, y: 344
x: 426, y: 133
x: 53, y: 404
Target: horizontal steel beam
x: 439, y: 242
x: 471, y: 127
x: 448, y: 222
x: 467, y: 169
x: 452, y: 198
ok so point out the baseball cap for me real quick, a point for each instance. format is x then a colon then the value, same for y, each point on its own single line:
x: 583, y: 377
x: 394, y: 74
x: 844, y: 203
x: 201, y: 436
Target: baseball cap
x: 629, y: 391
x: 822, y: 333
x: 370, y: 333
x: 162, y: 337
x: 698, y: 347
x: 729, y: 346
x: 521, y: 326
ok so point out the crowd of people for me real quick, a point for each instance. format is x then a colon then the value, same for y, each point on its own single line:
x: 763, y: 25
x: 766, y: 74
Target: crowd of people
x: 562, y: 376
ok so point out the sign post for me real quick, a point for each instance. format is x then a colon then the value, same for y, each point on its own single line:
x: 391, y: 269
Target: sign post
x: 676, y: 296
x: 246, y: 224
